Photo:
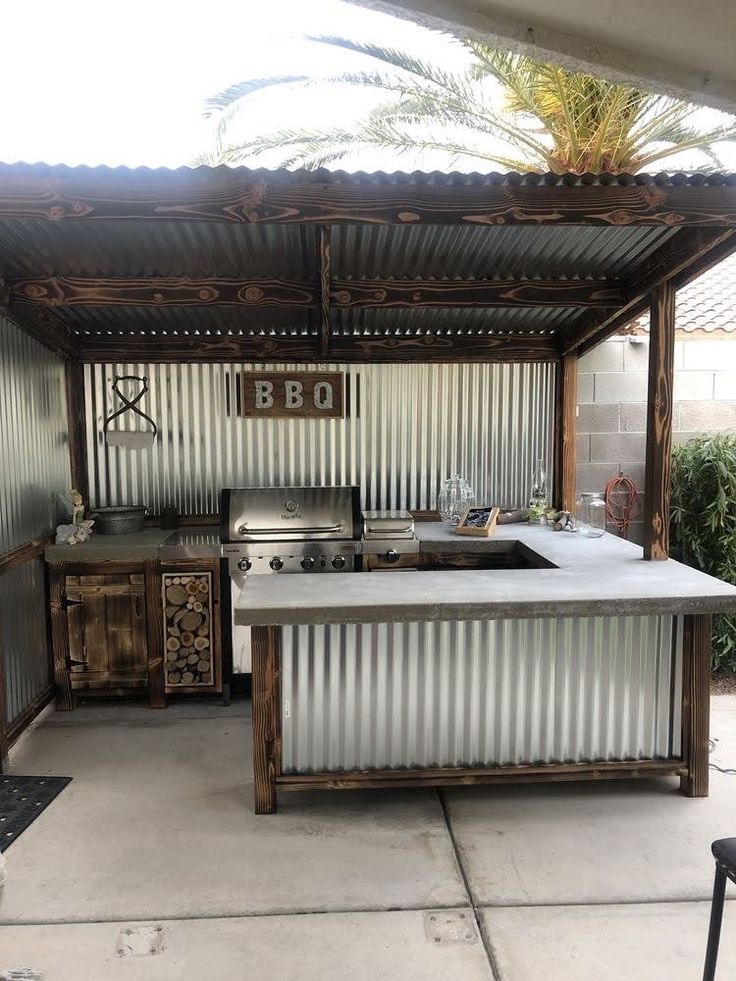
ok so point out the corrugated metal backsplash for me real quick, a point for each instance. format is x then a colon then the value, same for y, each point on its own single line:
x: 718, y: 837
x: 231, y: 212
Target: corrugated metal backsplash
x: 34, y: 449
x: 480, y: 693
x: 406, y: 428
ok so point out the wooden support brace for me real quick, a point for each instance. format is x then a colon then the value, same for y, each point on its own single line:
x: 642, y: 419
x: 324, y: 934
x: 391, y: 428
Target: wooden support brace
x: 659, y: 423
x: 696, y: 656
x: 325, y: 255
x: 566, y: 406
x: 266, y: 717
x: 75, y: 401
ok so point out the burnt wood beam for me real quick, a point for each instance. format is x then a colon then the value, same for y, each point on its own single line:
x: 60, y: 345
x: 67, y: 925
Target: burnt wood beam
x: 75, y: 402
x: 71, y: 291
x: 243, y: 196
x: 41, y: 325
x: 683, y: 258
x: 426, y: 347
x: 659, y: 423
x: 325, y: 261
x: 476, y: 293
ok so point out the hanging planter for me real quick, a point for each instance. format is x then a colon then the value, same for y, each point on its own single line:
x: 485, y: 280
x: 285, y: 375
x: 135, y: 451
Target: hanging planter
x: 131, y: 439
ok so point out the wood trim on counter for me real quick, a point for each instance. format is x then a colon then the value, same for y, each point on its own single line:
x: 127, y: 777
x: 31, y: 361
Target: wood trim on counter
x: 25, y: 553
x: 266, y: 685
x: 659, y: 424
x: 696, y: 657
x: 452, y: 776
x: 155, y: 635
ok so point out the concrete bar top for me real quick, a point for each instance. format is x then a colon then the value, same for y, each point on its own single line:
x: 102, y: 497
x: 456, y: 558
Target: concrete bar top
x: 593, y: 577
x: 134, y: 547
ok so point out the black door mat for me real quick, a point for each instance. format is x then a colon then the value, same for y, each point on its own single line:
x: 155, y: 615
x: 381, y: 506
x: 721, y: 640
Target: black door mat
x: 21, y: 801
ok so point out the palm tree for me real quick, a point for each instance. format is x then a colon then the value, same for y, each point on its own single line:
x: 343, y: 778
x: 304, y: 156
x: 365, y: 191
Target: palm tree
x: 547, y: 118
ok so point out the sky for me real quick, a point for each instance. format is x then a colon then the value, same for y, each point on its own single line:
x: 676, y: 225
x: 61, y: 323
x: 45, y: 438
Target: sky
x: 85, y: 82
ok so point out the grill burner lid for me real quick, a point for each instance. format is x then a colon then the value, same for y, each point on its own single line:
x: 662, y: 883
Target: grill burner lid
x: 259, y: 515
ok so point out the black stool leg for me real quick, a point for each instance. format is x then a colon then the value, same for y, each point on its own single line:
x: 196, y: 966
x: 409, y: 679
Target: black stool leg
x: 714, y: 931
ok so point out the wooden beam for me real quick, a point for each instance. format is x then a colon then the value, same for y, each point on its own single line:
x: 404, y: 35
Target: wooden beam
x: 4, y: 740
x: 696, y: 658
x: 42, y: 326
x: 659, y: 423
x: 178, y: 291
x: 155, y: 635
x: 239, y: 195
x: 75, y: 401
x: 565, y: 430
x: 477, y: 293
x: 24, y: 553
x: 161, y: 291
x: 266, y: 716
x: 60, y: 636
x: 684, y: 256
x: 325, y: 263
x: 424, y: 347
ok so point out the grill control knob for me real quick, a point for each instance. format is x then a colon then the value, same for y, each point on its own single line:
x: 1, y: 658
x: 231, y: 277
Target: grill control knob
x: 276, y: 563
x: 392, y: 555
x: 244, y: 565
x: 307, y: 562
x: 338, y: 562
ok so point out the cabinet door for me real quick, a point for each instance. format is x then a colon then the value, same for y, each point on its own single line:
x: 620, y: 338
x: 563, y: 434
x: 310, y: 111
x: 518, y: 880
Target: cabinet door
x: 107, y: 631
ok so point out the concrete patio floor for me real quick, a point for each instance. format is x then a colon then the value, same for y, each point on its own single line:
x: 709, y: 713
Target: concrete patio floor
x: 565, y: 882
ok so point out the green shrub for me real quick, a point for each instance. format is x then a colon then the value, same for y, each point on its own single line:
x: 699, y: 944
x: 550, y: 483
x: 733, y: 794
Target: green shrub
x: 704, y: 523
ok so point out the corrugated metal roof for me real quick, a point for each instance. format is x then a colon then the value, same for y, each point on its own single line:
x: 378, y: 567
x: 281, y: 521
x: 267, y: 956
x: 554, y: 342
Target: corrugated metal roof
x: 492, y: 252
x: 156, y: 247
x: 456, y: 320
x: 186, y: 320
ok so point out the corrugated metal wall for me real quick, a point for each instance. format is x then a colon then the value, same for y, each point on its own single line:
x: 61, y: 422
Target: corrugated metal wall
x: 407, y: 427
x: 34, y: 476
x: 34, y: 448
x: 418, y: 694
x: 23, y: 607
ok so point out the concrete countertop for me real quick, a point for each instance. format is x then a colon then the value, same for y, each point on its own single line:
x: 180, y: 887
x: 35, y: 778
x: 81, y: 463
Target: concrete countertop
x: 594, y: 577
x: 134, y: 547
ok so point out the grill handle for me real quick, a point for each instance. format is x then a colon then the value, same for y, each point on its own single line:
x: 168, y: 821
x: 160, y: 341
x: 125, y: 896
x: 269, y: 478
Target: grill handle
x: 324, y: 529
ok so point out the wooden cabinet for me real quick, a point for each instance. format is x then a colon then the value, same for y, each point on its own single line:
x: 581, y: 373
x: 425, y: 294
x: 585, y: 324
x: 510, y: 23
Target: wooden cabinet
x: 118, y: 627
x: 106, y: 622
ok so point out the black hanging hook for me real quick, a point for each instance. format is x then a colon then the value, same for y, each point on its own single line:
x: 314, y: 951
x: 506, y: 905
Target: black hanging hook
x: 130, y: 404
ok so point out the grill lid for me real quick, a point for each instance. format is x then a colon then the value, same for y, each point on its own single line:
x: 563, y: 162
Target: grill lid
x: 289, y: 514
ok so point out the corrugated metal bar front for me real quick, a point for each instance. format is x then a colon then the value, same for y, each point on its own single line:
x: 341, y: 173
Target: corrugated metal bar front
x: 480, y: 693
x: 23, y: 637
x: 34, y: 449
x: 407, y: 427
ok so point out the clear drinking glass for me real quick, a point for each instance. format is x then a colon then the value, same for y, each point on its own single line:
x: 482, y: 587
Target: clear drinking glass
x: 455, y: 497
x: 590, y: 514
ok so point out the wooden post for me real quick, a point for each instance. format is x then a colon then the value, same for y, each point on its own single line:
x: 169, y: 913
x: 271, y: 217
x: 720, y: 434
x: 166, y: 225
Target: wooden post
x: 659, y: 423
x: 75, y: 421
x: 565, y: 430
x: 60, y: 637
x: 154, y: 636
x: 325, y: 249
x: 696, y: 652
x: 266, y: 717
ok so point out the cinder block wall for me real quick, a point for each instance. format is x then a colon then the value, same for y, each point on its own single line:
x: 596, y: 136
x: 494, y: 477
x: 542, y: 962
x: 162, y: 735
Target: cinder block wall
x: 612, y: 391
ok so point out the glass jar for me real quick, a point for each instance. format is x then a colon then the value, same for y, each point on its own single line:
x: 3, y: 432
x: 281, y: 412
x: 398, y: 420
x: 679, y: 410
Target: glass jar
x: 590, y: 514
x: 455, y: 497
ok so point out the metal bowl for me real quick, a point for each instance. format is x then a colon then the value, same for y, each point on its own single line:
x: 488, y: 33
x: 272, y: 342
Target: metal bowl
x: 119, y: 520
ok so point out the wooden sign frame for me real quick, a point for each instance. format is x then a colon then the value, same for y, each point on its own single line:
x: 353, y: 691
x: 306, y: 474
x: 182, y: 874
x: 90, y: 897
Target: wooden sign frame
x: 291, y: 394
x: 489, y: 516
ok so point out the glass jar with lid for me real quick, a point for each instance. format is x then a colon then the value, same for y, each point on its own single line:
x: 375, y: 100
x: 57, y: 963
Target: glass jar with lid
x: 590, y: 514
x: 455, y: 497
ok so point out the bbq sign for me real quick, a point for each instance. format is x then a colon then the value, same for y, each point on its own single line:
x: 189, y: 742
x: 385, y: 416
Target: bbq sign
x: 292, y: 394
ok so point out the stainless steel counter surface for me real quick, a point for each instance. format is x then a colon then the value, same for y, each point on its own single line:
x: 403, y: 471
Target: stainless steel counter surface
x: 594, y: 577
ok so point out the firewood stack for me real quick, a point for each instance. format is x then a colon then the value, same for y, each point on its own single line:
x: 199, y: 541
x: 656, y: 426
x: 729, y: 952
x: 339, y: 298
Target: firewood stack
x: 187, y: 618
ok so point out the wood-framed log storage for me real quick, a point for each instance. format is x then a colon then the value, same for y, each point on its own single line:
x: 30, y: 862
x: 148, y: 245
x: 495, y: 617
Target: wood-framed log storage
x: 689, y: 761
x: 111, y: 622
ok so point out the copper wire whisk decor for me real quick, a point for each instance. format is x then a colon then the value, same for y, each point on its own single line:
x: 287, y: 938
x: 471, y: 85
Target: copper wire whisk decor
x: 622, y: 503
